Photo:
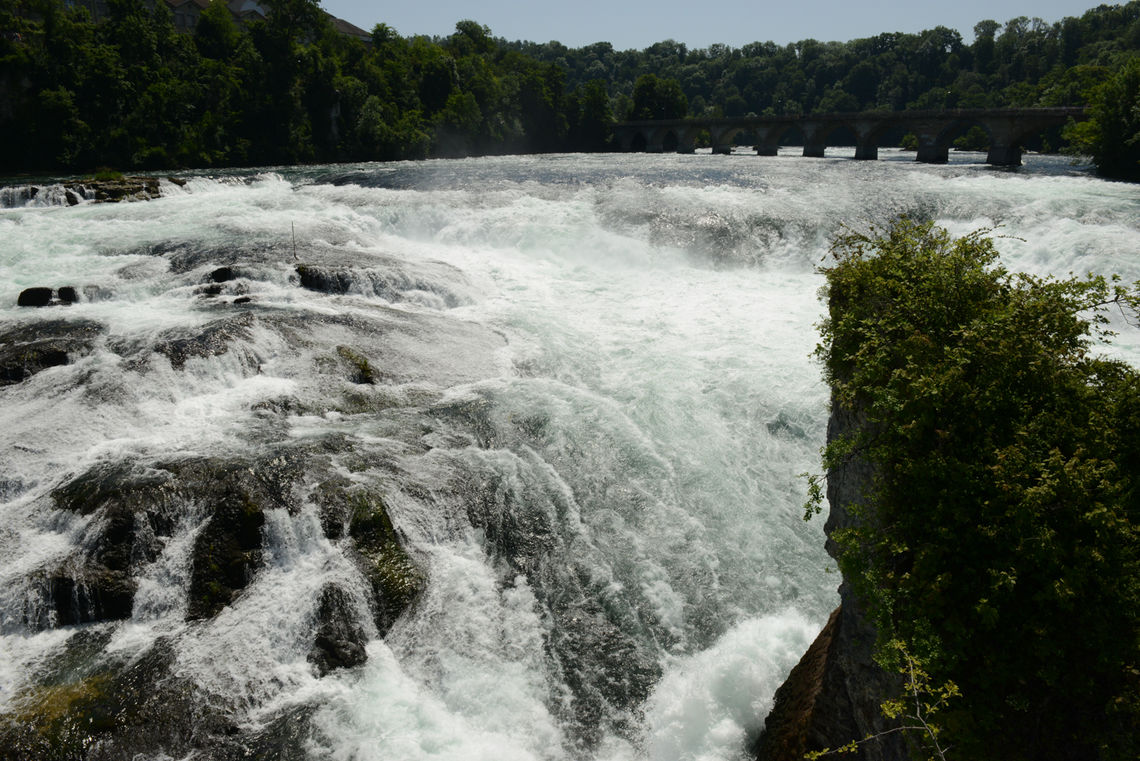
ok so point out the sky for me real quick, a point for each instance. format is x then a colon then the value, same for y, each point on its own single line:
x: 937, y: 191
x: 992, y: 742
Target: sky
x: 639, y: 23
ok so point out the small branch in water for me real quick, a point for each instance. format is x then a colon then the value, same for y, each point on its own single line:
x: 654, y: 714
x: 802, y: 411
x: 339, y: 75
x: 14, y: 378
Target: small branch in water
x: 293, y: 227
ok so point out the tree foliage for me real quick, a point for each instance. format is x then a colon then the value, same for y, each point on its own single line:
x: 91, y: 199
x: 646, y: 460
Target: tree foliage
x: 1112, y: 135
x: 129, y: 91
x: 126, y: 90
x: 999, y: 538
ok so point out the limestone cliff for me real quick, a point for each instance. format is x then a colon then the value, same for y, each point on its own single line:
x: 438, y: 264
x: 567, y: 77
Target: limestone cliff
x: 833, y: 695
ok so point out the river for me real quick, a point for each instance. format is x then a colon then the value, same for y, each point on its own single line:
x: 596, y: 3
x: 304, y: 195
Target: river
x: 582, y: 386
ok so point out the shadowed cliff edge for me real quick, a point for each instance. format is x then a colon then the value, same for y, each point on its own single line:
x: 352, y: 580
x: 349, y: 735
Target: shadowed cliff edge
x: 834, y: 693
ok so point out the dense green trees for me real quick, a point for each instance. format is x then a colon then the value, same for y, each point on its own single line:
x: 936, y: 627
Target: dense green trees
x: 1000, y: 538
x: 130, y: 92
x: 1112, y: 135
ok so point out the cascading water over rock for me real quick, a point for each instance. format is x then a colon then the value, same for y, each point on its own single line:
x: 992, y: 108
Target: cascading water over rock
x: 499, y: 463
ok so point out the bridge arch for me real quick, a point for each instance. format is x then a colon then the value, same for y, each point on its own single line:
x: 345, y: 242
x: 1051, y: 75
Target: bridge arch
x: 934, y: 130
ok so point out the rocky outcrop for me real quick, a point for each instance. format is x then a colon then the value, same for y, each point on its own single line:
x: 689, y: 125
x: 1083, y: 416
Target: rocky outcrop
x: 101, y: 705
x: 212, y: 340
x: 834, y: 694
x: 123, y: 709
x: 394, y: 578
x: 340, y: 640
x: 42, y: 296
x: 34, y: 347
x: 133, y: 511
x: 113, y: 191
x: 391, y: 280
x: 34, y: 297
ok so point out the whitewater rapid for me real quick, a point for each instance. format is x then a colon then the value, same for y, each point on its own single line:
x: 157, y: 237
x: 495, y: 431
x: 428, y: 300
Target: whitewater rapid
x: 592, y: 401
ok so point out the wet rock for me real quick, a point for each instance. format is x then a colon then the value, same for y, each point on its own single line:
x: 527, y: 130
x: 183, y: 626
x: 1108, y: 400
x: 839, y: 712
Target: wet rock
x: 34, y: 297
x: 284, y: 738
x: 392, y: 280
x: 90, y: 593
x: 211, y: 341
x: 395, y: 579
x: 67, y: 295
x: 227, y: 551
x: 323, y: 279
x: 359, y: 368
x: 106, y: 709
x: 134, y: 509
x: 33, y: 347
x: 72, y: 197
x: 340, y: 640
x: 96, y: 583
x: 834, y: 694
x: 113, y: 191
x: 608, y: 672
x: 243, y: 300
x: 222, y: 274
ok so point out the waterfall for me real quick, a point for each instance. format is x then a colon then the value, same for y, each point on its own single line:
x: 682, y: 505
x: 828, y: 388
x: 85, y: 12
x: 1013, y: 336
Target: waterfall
x: 501, y: 462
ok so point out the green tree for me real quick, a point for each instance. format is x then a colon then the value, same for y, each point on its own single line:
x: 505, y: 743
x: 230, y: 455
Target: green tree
x: 999, y: 539
x: 655, y: 98
x: 1112, y: 134
x: 592, y: 117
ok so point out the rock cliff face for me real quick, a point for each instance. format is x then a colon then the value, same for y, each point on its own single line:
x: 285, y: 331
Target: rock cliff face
x: 833, y: 695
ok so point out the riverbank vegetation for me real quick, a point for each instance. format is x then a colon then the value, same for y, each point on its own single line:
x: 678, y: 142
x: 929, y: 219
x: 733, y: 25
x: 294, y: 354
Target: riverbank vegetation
x: 999, y: 539
x: 127, y: 90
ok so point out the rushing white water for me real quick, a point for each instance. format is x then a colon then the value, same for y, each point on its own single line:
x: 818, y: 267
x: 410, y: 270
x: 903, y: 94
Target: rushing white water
x: 594, y: 395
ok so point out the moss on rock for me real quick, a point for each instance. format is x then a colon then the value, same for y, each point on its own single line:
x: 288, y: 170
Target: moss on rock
x: 395, y: 578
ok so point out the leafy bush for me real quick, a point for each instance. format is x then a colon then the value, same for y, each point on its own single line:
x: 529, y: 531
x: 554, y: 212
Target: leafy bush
x: 999, y: 537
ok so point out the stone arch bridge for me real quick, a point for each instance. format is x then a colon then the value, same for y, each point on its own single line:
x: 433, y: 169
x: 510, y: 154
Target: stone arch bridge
x: 935, y: 131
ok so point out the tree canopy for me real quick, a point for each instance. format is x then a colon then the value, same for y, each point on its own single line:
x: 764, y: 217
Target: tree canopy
x: 127, y: 90
x: 999, y: 540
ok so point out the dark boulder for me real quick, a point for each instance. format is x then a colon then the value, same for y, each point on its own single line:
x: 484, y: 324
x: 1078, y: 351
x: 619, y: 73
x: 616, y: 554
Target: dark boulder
x: 324, y: 279
x: 90, y: 593
x: 96, y: 583
x: 339, y: 640
x: 395, y: 579
x: 222, y: 275
x: 34, y: 297
x: 32, y: 347
x: 67, y: 295
x: 211, y: 341
x: 106, y: 708
x: 392, y: 280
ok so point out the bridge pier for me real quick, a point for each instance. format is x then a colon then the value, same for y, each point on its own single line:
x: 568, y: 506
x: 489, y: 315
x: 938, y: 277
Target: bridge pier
x: 768, y: 139
x: 1005, y: 141
x: 866, y: 139
x: 930, y: 152
x: 1004, y: 155
x: 935, y: 129
x: 815, y: 139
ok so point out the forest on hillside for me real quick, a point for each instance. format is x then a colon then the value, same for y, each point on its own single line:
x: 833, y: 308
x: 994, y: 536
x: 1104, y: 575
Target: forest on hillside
x: 128, y: 91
